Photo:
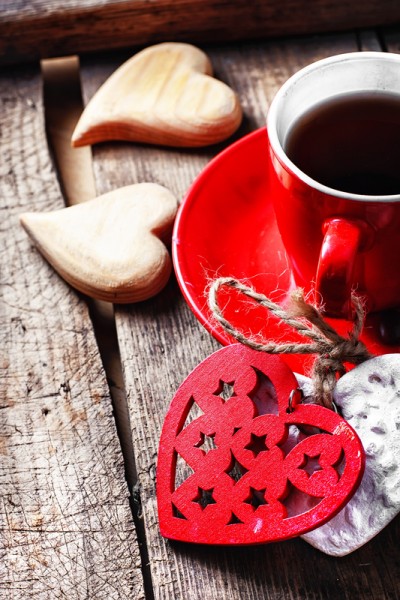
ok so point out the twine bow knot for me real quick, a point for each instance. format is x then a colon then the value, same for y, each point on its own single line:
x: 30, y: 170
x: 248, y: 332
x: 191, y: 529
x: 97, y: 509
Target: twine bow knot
x: 332, y: 349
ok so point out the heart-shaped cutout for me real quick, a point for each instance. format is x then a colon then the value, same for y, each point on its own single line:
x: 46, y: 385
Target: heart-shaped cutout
x: 369, y: 399
x: 163, y: 95
x: 112, y: 247
x: 227, y: 469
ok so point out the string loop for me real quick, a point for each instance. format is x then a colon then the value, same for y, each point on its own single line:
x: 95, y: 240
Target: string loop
x: 332, y: 349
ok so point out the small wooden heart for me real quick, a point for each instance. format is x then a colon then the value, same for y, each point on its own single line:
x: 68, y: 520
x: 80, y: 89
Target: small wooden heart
x: 368, y: 398
x: 163, y: 95
x: 112, y: 247
x: 227, y: 472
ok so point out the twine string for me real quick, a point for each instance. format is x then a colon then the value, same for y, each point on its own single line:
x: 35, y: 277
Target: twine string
x: 332, y: 349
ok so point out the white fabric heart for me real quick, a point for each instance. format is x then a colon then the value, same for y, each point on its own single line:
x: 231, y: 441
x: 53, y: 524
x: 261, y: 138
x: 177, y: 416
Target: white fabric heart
x: 368, y: 397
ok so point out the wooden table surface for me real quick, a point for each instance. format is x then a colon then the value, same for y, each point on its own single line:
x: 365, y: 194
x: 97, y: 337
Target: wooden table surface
x: 78, y: 434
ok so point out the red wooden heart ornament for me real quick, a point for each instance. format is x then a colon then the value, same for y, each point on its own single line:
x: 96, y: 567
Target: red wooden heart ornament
x: 229, y: 464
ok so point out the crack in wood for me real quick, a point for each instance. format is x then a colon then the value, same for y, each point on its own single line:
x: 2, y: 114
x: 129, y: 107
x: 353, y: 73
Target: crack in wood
x: 101, y: 313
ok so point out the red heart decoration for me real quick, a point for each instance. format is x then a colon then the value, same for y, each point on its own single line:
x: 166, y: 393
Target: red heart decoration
x: 228, y: 464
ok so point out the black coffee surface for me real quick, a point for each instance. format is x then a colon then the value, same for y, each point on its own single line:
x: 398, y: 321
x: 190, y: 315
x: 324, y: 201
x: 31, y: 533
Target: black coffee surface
x: 350, y: 143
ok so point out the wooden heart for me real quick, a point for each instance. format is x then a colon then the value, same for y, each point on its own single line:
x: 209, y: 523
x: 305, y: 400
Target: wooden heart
x: 112, y: 247
x: 226, y: 468
x: 163, y: 95
x: 369, y: 399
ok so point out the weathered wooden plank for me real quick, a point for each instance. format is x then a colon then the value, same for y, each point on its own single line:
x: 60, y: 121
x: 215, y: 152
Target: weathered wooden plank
x: 43, y: 28
x: 66, y: 528
x: 160, y: 342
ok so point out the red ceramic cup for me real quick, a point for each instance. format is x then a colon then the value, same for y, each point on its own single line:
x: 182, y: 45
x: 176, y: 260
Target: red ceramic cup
x: 337, y: 241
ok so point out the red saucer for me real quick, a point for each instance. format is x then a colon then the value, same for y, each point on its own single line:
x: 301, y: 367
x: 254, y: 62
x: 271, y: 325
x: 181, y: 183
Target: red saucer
x: 226, y: 228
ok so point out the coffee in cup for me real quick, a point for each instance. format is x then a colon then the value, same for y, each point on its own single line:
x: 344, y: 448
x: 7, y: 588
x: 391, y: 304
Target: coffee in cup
x: 334, y: 135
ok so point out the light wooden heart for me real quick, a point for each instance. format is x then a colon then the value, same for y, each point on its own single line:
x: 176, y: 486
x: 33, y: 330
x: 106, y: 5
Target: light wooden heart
x: 369, y: 399
x: 112, y: 247
x: 163, y: 95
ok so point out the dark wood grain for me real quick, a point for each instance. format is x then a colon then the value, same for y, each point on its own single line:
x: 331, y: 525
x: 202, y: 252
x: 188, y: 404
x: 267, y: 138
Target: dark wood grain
x: 161, y: 342
x: 66, y: 528
x: 43, y: 28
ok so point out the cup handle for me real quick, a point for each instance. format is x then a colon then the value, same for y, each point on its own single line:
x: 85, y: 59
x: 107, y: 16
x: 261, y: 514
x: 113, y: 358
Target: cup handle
x: 334, y: 281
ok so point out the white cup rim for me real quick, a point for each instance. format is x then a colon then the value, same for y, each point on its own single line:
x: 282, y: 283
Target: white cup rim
x: 280, y: 97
